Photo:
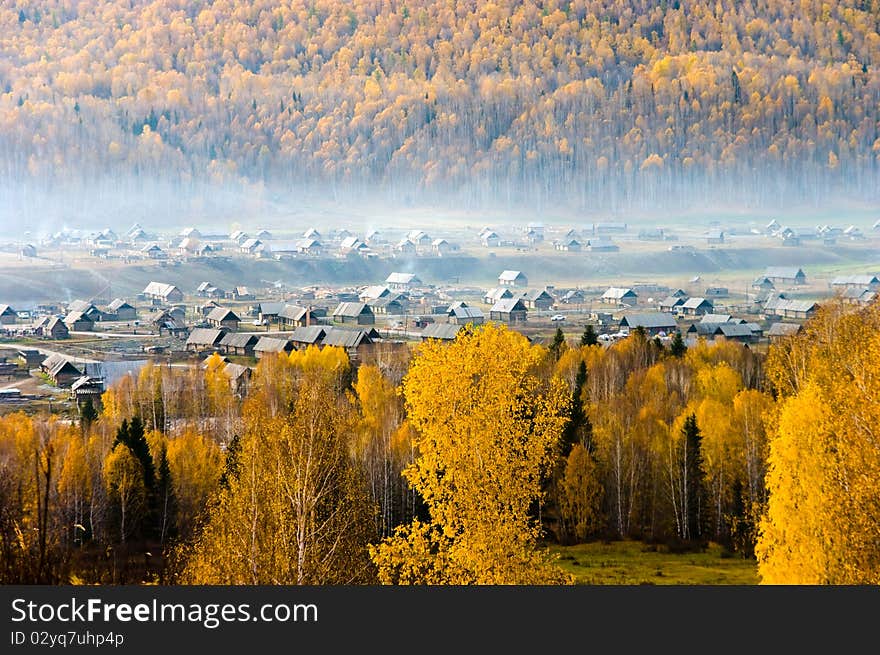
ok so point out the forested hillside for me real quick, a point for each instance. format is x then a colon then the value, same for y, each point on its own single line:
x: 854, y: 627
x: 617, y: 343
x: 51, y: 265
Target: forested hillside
x: 597, y: 104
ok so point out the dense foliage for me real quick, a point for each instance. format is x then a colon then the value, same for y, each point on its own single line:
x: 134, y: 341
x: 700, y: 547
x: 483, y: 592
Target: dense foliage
x: 595, y: 103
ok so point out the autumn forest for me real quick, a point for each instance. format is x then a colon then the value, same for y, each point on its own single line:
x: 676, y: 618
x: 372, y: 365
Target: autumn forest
x: 599, y: 104
x: 459, y: 463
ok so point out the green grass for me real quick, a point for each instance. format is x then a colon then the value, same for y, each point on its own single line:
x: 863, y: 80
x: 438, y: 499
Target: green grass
x: 633, y: 563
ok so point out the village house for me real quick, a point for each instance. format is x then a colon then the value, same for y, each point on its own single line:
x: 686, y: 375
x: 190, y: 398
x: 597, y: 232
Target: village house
x: 240, y: 293
x: 238, y: 344
x: 512, y: 279
x: 717, y: 292
x: 419, y: 238
x: 441, y: 331
x: 393, y: 303
x: 441, y: 246
x: 785, y: 275
x: 311, y: 233
x: 573, y: 297
x: 763, y: 283
x: 784, y: 308
x: 294, y: 316
x: 268, y: 346
x: 715, y: 237
x: 201, y: 339
x: 353, y: 313
x: 190, y: 233
x: 405, y: 246
x: 779, y: 331
x: 671, y: 303
x: 51, y: 327
x: 87, y: 388
x: 352, y: 245
x: 60, y: 370
x: 619, y: 296
x: 30, y: 357
x: 208, y: 290
x: 355, y: 342
x: 538, y: 299
x: 79, y: 322
x: 152, y: 251
x: 239, y: 378
x: 86, y: 309
x: 305, y: 246
x: 461, y: 314
x: 602, y: 244
x: 403, y: 281
x: 373, y: 292
x: 221, y: 317
x: 121, y: 310
x: 252, y: 246
x: 509, y: 310
x: 862, y: 297
x: 654, y: 323
x: 696, y: 307
x: 8, y: 316
x: 28, y: 250
x: 568, y: 245
x: 490, y: 239
x: 239, y: 237
x: 609, y: 227
x: 498, y: 293
x: 303, y: 337
x: 866, y: 281
x: 160, y: 291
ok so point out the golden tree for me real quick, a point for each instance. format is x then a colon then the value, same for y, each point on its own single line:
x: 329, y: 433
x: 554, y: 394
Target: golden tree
x: 487, y: 428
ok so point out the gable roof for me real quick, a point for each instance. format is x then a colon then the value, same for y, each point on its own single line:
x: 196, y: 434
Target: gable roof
x: 310, y: 334
x: 619, y: 292
x: 403, y: 278
x: 650, y: 320
x: 443, y: 331
x: 271, y: 308
x: 856, y: 280
x: 293, y: 312
x: 160, y: 289
x: 498, y: 293
x: 205, y: 337
x: 346, y: 338
x: 507, y: 305
x: 239, y: 340
x: 536, y: 294
x: 352, y: 309
x: 118, y: 304
x: 466, y: 312
x: 696, y: 303
x: 784, y: 329
x: 510, y: 276
x: 788, y: 272
x: 222, y: 314
x: 272, y: 345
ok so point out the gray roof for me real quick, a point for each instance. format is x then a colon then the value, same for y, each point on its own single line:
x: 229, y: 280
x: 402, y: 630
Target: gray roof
x: 293, y: 312
x: 346, y: 338
x: 507, y: 305
x: 272, y: 345
x: 375, y: 291
x: 444, y: 331
x: 74, y: 317
x: 80, y: 306
x: 619, y: 292
x: 222, y: 314
x: 118, y: 304
x: 783, y: 329
x: 534, y: 294
x: 310, y: 334
x: 235, y: 371
x: 498, y: 293
x: 160, y: 289
x: 734, y: 330
x: 672, y: 301
x: 239, y: 340
x: 787, y: 272
x: 466, y: 312
x: 271, y: 308
x: 403, y: 278
x: 856, y: 280
x: 205, y: 337
x: 509, y: 276
x: 696, y: 303
x: 715, y: 318
x: 651, y: 320
x: 352, y: 309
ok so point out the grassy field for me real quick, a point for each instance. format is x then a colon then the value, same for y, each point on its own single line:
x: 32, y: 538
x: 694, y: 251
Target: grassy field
x: 632, y: 562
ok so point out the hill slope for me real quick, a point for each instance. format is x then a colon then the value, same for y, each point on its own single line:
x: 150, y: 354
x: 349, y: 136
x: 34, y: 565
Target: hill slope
x: 603, y: 103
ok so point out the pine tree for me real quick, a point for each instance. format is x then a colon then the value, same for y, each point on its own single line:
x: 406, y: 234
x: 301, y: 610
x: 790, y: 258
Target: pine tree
x: 87, y: 414
x: 558, y: 344
x: 677, y: 347
x: 579, y: 429
x: 589, y: 337
x: 693, y: 478
x: 165, y: 497
x: 230, y: 469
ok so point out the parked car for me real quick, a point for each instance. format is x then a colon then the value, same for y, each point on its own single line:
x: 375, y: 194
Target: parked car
x: 557, y: 317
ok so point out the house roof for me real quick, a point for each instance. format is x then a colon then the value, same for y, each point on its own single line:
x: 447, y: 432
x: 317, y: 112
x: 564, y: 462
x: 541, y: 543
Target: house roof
x: 650, y: 320
x: 271, y: 308
x: 507, y: 305
x: 352, y: 309
x: 787, y: 272
x: 715, y: 318
x: 696, y: 303
x: 672, y: 301
x: 235, y: 371
x: 784, y: 329
x: 81, y: 306
x: 856, y: 280
x: 251, y: 244
x: 374, y: 291
x: 510, y: 276
x: 239, y: 340
x: 310, y: 334
x: 272, y: 345
x: 118, y: 304
x: 74, y: 317
x: 443, y: 331
x: 160, y: 289
x: 403, y: 278
x: 734, y: 330
x: 222, y: 314
x: 619, y: 292
x: 6, y: 309
x: 384, y: 301
x: 464, y: 313
x: 498, y: 293
x: 293, y: 312
x: 346, y: 338
x: 87, y: 381
x: 536, y: 294
x: 205, y: 337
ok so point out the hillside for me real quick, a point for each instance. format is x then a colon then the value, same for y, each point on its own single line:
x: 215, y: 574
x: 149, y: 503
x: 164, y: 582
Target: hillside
x: 587, y: 104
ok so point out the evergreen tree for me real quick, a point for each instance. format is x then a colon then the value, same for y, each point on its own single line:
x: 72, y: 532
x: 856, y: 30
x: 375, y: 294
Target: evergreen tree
x: 693, y: 478
x: 166, y: 500
x: 677, y: 347
x: 558, y: 344
x: 230, y: 469
x: 589, y: 337
x: 87, y: 414
x: 579, y: 429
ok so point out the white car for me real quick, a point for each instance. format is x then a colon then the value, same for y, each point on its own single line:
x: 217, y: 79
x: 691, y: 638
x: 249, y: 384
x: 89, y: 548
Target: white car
x: 557, y: 317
